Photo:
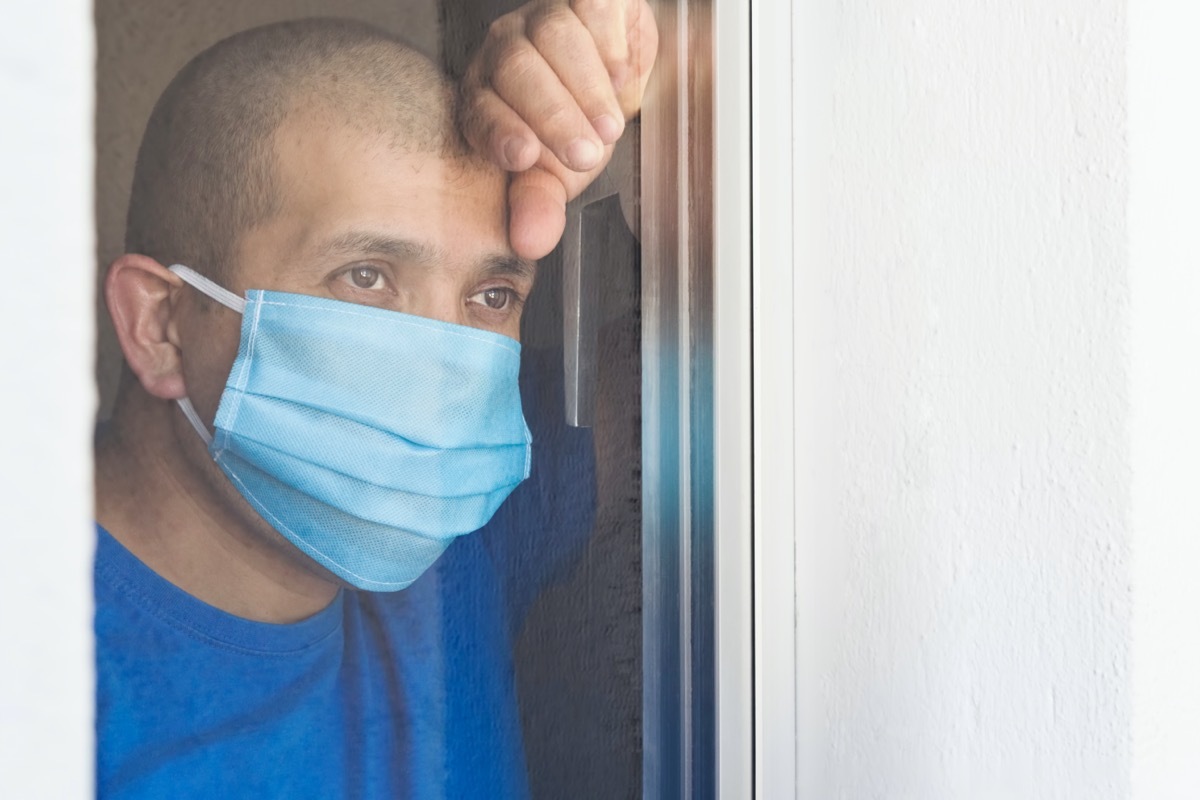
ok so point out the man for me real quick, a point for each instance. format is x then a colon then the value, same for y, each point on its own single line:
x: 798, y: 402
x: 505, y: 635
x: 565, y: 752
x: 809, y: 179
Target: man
x: 319, y: 311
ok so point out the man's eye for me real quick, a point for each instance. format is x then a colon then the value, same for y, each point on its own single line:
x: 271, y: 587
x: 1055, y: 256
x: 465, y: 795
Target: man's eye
x: 496, y: 299
x: 366, y: 277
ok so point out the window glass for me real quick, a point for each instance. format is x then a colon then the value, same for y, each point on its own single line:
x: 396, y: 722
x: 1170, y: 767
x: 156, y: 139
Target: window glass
x: 369, y: 452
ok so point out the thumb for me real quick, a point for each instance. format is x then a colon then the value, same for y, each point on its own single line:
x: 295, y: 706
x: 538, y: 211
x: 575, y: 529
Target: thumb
x: 537, y: 209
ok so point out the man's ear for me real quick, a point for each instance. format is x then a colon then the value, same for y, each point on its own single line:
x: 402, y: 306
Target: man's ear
x: 140, y: 292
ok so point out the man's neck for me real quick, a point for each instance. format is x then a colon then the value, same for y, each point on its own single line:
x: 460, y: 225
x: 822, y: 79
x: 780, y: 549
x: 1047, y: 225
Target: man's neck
x: 164, y: 510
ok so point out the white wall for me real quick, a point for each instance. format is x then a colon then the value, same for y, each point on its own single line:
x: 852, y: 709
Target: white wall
x: 975, y: 547
x: 46, y: 352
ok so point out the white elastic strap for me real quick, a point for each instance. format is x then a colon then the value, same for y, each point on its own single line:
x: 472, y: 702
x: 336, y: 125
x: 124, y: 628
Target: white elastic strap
x: 189, y: 411
x: 214, y: 290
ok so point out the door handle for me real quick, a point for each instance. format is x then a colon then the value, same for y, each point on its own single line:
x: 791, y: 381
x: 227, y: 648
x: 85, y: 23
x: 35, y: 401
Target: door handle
x: 581, y: 303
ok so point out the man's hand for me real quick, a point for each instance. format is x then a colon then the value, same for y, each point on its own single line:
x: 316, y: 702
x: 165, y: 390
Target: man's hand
x: 546, y: 98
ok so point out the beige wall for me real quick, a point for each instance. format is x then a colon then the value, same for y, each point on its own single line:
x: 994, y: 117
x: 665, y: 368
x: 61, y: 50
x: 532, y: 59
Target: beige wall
x: 140, y: 45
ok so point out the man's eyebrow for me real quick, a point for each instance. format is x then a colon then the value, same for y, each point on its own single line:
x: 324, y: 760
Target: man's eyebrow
x: 354, y: 243
x: 509, y: 265
x: 365, y: 242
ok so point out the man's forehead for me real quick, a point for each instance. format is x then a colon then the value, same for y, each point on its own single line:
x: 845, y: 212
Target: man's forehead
x: 315, y: 152
x: 343, y: 192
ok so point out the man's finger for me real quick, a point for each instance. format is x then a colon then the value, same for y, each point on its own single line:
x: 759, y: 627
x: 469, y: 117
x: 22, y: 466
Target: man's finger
x: 494, y: 129
x: 568, y: 47
x: 606, y: 21
x: 527, y: 83
x: 537, y: 207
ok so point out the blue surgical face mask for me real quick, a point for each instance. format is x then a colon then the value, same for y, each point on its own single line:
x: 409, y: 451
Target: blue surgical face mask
x: 368, y: 438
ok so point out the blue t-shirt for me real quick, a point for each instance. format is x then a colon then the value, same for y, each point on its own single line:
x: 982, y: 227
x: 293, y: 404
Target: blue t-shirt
x: 405, y: 694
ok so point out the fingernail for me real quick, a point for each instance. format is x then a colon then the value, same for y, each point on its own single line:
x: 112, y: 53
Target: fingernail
x: 607, y: 128
x: 514, y: 149
x: 582, y: 154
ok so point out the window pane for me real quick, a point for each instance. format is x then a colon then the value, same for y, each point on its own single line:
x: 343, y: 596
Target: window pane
x: 322, y: 569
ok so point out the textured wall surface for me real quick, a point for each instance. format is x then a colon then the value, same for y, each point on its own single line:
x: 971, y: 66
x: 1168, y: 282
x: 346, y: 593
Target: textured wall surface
x: 980, y: 608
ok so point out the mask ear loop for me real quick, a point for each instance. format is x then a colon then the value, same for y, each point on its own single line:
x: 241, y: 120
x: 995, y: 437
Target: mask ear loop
x: 189, y: 411
x: 225, y: 298
x: 205, y: 286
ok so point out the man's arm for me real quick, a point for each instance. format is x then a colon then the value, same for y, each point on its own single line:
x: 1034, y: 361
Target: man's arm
x: 547, y: 97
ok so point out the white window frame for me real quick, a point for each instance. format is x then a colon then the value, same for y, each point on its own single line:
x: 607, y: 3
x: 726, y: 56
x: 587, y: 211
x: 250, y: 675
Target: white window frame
x: 753, y: 364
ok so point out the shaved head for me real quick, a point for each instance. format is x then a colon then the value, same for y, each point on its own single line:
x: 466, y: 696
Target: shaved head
x: 206, y: 170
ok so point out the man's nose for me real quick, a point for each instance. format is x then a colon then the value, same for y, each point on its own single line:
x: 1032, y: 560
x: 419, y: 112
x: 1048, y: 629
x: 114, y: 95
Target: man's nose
x: 444, y: 306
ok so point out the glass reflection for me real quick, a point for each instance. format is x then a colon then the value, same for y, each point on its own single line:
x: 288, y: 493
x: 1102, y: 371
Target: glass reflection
x: 348, y: 544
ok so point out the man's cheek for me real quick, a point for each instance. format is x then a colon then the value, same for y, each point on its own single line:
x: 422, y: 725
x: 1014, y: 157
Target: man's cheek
x: 208, y: 356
